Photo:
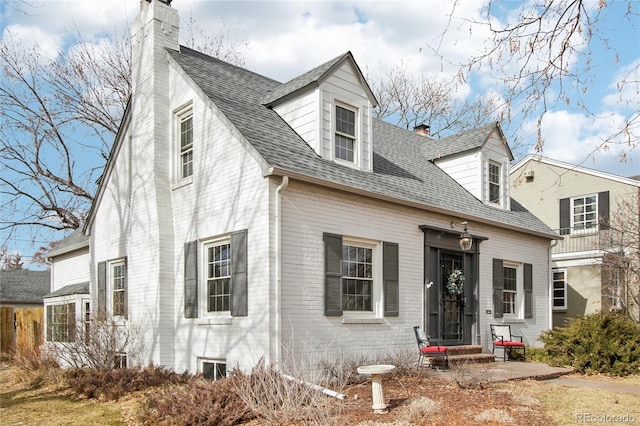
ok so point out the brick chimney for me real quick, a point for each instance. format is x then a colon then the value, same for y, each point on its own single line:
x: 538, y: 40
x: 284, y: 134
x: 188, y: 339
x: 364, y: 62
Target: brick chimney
x: 422, y: 129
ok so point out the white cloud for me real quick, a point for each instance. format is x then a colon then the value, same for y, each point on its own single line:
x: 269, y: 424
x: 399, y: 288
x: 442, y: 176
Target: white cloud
x: 625, y: 89
x: 28, y: 37
x: 580, y: 139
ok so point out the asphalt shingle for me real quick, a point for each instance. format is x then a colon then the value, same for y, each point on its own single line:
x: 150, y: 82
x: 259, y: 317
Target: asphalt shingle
x: 24, y: 286
x: 402, y: 169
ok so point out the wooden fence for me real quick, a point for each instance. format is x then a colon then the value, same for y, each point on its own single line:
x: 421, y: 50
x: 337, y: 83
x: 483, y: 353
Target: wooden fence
x: 21, y: 329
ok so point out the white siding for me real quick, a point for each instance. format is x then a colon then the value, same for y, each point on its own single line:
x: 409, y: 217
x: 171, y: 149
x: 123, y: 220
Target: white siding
x: 70, y: 268
x: 344, y: 87
x: 147, y: 216
x: 309, y: 211
x: 303, y: 115
x: 494, y: 151
x: 466, y: 169
x: 228, y: 194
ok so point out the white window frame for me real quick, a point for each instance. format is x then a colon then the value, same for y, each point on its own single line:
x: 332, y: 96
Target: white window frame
x: 86, y: 318
x: 519, y: 293
x: 182, y: 114
x: 491, y: 183
x: 71, y: 329
x: 120, y: 360
x: 376, y: 280
x: 216, y: 363
x: 562, y: 271
x: 355, y: 137
x: 572, y: 213
x: 204, y: 301
x: 111, y: 276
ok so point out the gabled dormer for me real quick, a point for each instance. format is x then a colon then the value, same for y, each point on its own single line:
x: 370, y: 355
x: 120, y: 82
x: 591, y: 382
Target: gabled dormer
x: 330, y: 107
x: 478, y: 160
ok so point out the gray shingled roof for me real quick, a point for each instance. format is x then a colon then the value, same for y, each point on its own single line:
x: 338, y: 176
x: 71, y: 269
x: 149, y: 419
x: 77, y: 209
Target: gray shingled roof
x: 24, y: 286
x: 68, y: 290
x: 304, y: 80
x: 463, y: 142
x: 73, y: 241
x: 401, y: 172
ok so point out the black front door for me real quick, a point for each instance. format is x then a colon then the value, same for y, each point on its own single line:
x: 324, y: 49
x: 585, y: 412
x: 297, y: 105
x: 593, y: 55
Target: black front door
x: 451, y: 300
x: 450, y: 314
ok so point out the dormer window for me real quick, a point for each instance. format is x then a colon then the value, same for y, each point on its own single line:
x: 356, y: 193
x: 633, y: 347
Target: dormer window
x: 494, y: 183
x: 345, y: 137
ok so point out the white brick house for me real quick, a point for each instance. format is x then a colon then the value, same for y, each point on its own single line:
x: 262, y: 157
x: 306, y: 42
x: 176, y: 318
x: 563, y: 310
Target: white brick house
x: 240, y: 218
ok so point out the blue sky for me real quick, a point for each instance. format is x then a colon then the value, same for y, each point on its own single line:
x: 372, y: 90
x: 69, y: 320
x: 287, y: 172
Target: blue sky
x: 286, y: 38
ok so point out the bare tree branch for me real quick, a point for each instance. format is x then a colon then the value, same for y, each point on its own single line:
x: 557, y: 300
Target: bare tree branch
x: 542, y: 52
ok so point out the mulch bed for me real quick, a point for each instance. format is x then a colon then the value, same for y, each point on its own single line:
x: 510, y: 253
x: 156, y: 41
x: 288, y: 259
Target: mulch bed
x: 447, y: 403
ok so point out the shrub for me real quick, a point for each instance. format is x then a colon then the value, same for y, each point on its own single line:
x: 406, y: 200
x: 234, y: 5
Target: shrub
x: 113, y: 384
x: 598, y: 343
x: 36, y: 368
x: 280, y: 399
x: 199, y: 402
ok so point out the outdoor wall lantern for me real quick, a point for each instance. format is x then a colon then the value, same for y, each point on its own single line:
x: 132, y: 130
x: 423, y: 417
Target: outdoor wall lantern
x: 465, y: 239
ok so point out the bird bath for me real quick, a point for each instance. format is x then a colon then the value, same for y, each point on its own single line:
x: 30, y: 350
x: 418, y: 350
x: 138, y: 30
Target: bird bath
x: 376, y: 372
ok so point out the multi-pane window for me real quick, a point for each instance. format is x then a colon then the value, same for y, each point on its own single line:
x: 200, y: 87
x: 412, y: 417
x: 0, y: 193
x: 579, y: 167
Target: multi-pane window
x: 61, y: 322
x: 494, y: 183
x: 87, y: 321
x: 119, y: 281
x: 218, y: 277
x: 120, y: 360
x: 345, y: 134
x: 509, y: 291
x: 186, y: 145
x: 559, y: 289
x: 585, y: 212
x: 357, y: 278
x: 214, y: 370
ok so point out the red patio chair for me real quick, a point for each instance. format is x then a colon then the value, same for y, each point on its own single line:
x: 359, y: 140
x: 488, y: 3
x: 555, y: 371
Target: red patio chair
x: 428, y: 350
x: 502, y: 338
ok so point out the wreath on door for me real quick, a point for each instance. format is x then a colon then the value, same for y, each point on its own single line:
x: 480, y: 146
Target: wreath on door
x: 455, y: 282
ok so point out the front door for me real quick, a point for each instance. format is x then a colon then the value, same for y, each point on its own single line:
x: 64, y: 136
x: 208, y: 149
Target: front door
x: 451, y: 299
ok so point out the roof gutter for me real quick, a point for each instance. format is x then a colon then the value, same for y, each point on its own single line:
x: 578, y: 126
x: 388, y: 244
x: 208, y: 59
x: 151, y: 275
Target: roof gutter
x: 277, y: 171
x: 68, y: 249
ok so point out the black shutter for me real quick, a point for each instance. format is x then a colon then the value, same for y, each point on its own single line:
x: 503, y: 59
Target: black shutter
x: 603, y: 210
x: 565, y: 216
x: 126, y: 288
x: 528, y: 290
x: 102, y: 290
x: 391, y: 287
x: 332, y: 274
x: 239, y: 296
x: 191, y: 279
x: 498, y: 286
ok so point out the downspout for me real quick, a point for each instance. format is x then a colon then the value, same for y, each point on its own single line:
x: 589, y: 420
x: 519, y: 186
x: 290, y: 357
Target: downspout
x: 278, y: 266
x: 550, y: 281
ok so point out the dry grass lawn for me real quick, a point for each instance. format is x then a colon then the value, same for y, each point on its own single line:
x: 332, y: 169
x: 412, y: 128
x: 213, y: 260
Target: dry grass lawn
x: 413, y: 400
x: 25, y: 403
x: 572, y: 405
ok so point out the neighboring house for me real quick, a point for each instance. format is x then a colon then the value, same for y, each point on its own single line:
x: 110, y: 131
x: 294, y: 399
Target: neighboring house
x: 68, y: 302
x: 583, y: 205
x: 21, y: 301
x: 22, y: 288
x: 239, y: 218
